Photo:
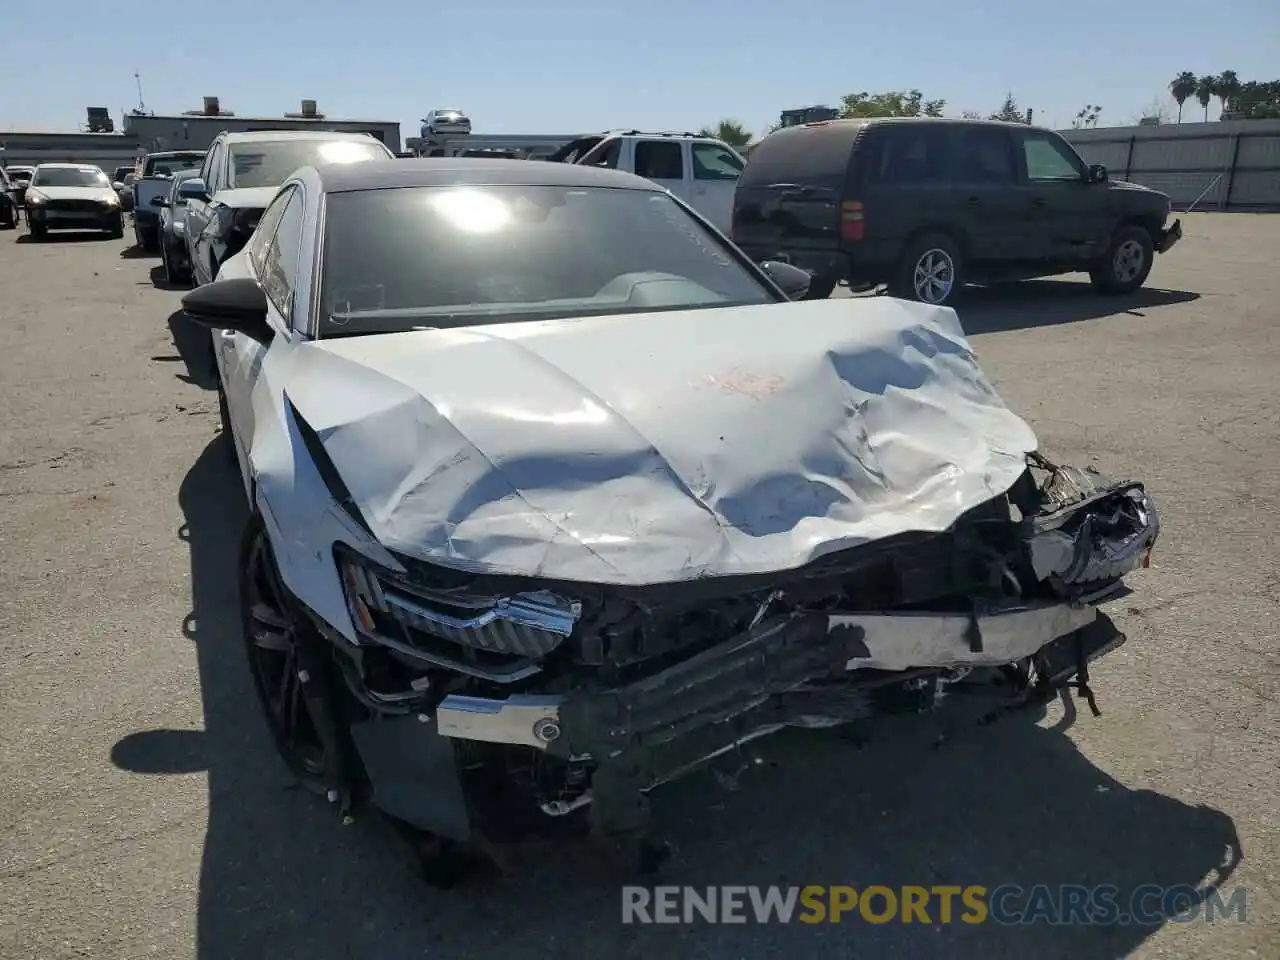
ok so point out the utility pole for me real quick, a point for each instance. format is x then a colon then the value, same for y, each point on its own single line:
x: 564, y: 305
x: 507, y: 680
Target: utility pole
x: 142, y: 107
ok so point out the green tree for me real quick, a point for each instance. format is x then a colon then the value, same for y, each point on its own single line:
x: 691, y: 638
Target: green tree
x: 1087, y: 116
x: 730, y: 131
x: 1206, y: 87
x: 892, y: 103
x: 1258, y: 100
x: 1010, y: 112
x: 1227, y: 89
x: 1183, y: 89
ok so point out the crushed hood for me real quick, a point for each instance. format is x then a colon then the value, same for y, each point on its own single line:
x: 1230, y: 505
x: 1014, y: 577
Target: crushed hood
x: 247, y: 198
x: 102, y: 194
x: 661, y: 447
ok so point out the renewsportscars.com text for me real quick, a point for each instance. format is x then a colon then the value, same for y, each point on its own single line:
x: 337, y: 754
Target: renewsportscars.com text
x: 1008, y: 904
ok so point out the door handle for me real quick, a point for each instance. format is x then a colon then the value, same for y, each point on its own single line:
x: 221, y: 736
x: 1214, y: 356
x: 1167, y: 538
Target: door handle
x: 1039, y: 202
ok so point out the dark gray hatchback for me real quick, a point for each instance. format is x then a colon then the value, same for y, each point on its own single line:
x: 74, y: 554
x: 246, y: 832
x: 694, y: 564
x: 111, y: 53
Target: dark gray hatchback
x: 927, y: 205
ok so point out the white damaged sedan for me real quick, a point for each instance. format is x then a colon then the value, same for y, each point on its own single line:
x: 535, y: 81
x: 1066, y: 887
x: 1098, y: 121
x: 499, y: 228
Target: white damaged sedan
x: 556, y: 496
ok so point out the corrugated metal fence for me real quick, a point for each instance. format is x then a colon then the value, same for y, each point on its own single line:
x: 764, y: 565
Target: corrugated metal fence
x: 1236, y: 161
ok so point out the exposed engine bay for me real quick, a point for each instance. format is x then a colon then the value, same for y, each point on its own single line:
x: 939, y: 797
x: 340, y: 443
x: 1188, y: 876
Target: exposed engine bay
x: 492, y: 705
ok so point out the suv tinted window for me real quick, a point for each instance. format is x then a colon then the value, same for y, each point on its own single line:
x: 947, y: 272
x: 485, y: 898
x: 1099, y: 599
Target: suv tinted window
x: 910, y: 153
x: 982, y: 155
x: 659, y: 160
x: 605, y: 155
x: 1049, y: 158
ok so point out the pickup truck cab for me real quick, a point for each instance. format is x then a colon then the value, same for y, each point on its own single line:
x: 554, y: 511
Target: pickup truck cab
x: 153, y: 184
x: 701, y: 171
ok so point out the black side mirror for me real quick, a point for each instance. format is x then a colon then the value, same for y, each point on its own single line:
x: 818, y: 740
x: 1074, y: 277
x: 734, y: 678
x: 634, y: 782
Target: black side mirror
x: 1098, y: 173
x: 793, y: 281
x: 237, y: 304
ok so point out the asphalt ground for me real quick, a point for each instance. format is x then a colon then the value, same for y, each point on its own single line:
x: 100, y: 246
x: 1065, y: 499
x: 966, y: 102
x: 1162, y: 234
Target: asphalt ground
x: 143, y: 812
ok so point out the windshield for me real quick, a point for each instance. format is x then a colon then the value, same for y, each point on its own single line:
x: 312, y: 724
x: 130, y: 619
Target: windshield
x: 164, y: 165
x: 70, y: 177
x: 406, y: 258
x: 269, y: 163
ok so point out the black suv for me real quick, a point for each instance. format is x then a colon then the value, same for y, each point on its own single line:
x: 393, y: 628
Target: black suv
x: 926, y: 205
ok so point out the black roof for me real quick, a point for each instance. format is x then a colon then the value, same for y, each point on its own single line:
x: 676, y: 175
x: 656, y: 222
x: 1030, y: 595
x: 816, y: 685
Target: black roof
x: 448, y: 171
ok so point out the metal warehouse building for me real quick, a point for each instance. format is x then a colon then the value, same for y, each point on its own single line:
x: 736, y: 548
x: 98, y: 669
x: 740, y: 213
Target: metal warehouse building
x: 195, y: 129
x: 100, y: 144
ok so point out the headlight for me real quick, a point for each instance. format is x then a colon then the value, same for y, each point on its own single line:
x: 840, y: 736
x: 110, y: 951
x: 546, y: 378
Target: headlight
x: 35, y: 197
x: 111, y: 200
x: 529, y: 624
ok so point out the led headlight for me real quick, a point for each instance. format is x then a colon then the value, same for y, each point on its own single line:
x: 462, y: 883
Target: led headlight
x: 527, y: 624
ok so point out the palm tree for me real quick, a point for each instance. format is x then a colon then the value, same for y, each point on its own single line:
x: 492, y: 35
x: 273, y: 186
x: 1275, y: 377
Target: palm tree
x: 730, y: 131
x: 1183, y: 89
x: 1206, y: 87
x: 1228, y: 88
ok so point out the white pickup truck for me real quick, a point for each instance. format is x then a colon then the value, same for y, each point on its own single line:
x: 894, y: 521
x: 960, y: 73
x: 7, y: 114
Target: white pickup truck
x: 153, y: 184
x: 701, y: 171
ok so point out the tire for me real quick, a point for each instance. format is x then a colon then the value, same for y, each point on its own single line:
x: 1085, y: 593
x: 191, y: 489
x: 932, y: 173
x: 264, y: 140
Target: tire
x: 820, y: 288
x: 117, y: 228
x: 38, y: 231
x: 289, y: 666
x: 164, y: 261
x: 1127, y: 263
x: 147, y: 240
x: 8, y: 216
x: 931, y: 271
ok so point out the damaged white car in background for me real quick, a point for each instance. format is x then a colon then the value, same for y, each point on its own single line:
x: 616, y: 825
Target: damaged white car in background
x: 556, y: 496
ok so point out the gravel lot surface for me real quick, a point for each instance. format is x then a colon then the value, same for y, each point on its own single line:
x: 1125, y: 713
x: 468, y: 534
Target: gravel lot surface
x: 142, y: 812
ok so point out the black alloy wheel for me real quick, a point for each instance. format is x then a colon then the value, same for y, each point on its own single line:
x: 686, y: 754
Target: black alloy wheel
x: 274, y: 633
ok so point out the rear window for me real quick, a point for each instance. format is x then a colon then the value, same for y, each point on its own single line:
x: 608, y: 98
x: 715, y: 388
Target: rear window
x: 269, y: 163
x: 908, y: 154
x: 165, y: 165
x: 817, y: 155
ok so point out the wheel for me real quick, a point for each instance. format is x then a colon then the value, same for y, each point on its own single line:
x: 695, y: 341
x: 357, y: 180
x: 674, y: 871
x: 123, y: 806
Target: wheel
x: 147, y: 239
x: 276, y: 639
x: 164, y: 261
x: 117, y: 228
x: 8, y: 216
x: 931, y: 271
x: 820, y: 288
x: 1127, y: 262
x: 38, y: 231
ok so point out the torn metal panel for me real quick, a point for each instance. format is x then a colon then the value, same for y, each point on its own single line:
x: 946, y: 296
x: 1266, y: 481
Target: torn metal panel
x: 661, y: 447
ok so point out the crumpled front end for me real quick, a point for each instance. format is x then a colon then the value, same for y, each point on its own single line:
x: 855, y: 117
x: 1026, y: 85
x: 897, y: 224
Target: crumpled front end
x: 496, y: 703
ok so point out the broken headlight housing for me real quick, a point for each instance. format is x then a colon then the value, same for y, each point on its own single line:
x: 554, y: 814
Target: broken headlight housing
x: 387, y: 607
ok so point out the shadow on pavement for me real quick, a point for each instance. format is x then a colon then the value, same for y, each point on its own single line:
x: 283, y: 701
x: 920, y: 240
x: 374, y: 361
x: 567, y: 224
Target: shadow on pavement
x: 1043, y: 303
x: 1012, y: 803
x: 66, y: 236
x: 135, y: 252
x: 194, y: 346
x: 156, y: 276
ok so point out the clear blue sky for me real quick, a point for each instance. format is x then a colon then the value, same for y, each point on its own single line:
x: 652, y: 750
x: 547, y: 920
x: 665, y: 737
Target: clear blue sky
x: 568, y: 67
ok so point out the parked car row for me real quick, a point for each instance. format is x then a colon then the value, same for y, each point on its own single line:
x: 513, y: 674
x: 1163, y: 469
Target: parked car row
x: 556, y: 493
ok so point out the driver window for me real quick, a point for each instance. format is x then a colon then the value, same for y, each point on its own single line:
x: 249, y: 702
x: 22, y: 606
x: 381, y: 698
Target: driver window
x: 1048, y: 158
x: 266, y: 229
x: 604, y: 155
x: 280, y: 259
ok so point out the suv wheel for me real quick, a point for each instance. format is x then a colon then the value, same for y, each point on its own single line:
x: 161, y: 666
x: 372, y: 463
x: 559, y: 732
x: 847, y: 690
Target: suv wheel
x: 931, y: 271
x: 1127, y: 262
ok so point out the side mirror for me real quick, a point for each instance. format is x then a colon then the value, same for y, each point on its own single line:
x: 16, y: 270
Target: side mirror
x: 236, y: 304
x: 117, y: 186
x: 159, y: 202
x: 193, y: 189
x: 793, y: 281
x: 1098, y: 173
